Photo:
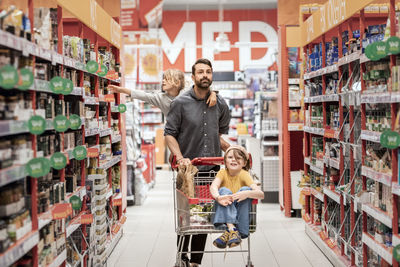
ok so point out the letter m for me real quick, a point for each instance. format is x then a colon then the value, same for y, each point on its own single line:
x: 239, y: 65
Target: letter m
x: 185, y: 39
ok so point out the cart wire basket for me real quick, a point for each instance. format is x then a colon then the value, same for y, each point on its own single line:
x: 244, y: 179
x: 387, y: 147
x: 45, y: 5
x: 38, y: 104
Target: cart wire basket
x: 195, y: 215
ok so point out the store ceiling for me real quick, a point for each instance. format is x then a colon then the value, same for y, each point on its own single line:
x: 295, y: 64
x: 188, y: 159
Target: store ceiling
x: 214, y: 4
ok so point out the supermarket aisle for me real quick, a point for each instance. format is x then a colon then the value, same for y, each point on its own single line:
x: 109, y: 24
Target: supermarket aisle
x: 149, y: 237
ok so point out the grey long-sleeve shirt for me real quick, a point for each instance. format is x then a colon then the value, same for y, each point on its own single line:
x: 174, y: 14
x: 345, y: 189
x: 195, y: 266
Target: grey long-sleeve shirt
x: 160, y: 100
x: 196, y: 126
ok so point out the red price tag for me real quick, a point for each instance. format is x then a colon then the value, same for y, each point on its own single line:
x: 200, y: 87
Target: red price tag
x: 329, y: 133
x: 112, y: 75
x: 116, y: 229
x: 330, y: 243
x: 323, y: 235
x: 61, y: 211
x: 306, y: 218
x: 109, y: 98
x: 87, y: 219
x: 123, y: 219
x: 117, y: 202
x: 92, y: 152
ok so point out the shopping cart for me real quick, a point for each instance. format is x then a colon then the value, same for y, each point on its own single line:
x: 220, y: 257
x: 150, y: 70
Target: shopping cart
x: 194, y: 215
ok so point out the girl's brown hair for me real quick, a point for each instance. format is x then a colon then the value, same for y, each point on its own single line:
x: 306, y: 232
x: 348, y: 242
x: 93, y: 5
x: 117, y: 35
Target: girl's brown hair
x: 238, y: 154
x: 176, y: 77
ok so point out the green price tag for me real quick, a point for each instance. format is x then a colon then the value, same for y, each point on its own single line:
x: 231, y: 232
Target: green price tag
x: 57, y: 85
x: 79, y: 152
x: 8, y: 77
x: 370, y: 52
x: 36, y: 125
x: 121, y: 108
x: 58, y: 161
x: 393, y: 45
x: 38, y: 167
x: 25, y: 79
x: 92, y: 66
x: 380, y: 50
x: 68, y: 86
x: 396, y: 253
x: 75, y: 122
x: 61, y: 123
x: 103, y: 71
x: 76, y: 202
x: 390, y: 139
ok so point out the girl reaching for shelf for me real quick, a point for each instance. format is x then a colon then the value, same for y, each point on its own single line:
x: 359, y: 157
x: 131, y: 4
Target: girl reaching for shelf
x: 233, y: 190
x: 172, y: 85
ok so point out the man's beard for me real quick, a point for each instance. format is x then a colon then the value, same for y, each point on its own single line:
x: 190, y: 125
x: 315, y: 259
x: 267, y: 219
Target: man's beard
x: 203, y: 83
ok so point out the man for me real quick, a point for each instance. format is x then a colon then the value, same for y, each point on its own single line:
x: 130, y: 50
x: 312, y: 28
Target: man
x: 193, y: 130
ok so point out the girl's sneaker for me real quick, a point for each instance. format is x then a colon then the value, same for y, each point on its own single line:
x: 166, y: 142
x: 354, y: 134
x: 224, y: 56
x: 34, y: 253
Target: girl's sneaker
x: 234, y: 239
x: 221, y: 241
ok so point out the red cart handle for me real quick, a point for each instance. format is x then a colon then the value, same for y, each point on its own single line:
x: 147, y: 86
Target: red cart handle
x: 205, y: 161
x: 200, y: 161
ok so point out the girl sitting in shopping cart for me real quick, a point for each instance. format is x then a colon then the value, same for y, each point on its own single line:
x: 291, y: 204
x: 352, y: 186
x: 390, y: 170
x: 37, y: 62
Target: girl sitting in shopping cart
x: 234, y: 189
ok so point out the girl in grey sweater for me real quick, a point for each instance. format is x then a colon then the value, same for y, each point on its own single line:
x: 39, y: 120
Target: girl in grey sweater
x: 172, y: 84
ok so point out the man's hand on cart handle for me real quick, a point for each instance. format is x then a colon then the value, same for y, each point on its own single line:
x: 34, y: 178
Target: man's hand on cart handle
x: 224, y: 200
x: 184, y: 161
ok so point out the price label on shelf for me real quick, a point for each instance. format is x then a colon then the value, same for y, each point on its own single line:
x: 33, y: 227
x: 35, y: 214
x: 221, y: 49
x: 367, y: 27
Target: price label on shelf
x: 45, y: 53
x: 36, y: 125
x: 92, y: 152
x: 92, y: 66
x: 80, y: 152
x: 76, y: 202
x: 9, y: 40
x: 57, y: 85
x: 396, y: 252
x: 75, y: 121
x: 102, y: 71
x: 68, y: 86
x: 8, y: 77
x: 61, y: 123
x: 58, y: 161
x: 117, y: 202
x: 121, y: 108
x: 109, y: 98
x: 61, y: 211
x: 86, y: 219
x: 25, y: 79
x: 390, y: 139
x: 38, y: 167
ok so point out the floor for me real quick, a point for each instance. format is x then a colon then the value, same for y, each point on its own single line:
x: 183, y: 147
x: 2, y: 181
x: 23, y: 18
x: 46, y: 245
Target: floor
x: 149, y: 238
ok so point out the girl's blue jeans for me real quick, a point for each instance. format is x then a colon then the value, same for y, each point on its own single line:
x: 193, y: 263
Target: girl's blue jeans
x: 238, y: 213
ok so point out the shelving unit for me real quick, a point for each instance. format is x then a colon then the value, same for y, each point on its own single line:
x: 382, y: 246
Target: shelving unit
x: 58, y: 224
x: 291, y: 128
x: 351, y: 203
x: 266, y: 127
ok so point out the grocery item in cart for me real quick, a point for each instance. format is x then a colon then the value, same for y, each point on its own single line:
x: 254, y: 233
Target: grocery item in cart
x: 184, y: 181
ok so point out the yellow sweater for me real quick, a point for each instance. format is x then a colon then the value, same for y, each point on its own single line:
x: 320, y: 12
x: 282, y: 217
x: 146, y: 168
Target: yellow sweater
x: 234, y: 183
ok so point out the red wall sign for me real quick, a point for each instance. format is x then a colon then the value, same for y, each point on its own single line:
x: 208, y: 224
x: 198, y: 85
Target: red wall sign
x: 187, y: 37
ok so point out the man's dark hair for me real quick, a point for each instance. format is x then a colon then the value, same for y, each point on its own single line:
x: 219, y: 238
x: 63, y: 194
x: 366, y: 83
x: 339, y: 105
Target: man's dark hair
x: 201, y: 61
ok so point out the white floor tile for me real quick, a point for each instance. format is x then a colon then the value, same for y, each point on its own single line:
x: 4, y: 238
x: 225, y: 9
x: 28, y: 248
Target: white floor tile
x: 149, y: 238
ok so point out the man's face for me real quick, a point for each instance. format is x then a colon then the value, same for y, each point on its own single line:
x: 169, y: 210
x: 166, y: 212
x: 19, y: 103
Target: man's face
x: 202, y: 76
